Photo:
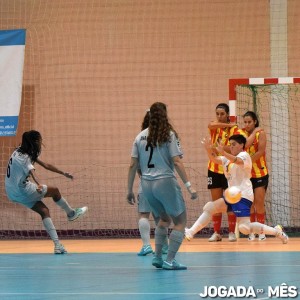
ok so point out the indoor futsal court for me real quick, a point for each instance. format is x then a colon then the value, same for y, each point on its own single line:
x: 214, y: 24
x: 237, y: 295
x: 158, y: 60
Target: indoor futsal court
x: 83, y: 74
x: 99, y: 270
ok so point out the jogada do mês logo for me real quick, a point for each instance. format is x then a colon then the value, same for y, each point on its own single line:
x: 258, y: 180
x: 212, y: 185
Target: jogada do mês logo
x: 280, y: 291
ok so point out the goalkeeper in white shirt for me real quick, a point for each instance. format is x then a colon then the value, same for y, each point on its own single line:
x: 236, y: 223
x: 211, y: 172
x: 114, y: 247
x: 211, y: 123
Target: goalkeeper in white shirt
x: 237, y: 169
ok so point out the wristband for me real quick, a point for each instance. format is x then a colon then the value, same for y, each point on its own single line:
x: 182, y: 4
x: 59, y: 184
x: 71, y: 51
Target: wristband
x: 187, y: 184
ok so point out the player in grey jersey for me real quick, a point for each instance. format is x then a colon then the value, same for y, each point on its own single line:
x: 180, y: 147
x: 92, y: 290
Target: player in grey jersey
x: 156, y: 150
x: 20, y: 189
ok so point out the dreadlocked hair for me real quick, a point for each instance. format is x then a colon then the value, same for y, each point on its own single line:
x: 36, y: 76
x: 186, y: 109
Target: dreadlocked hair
x: 31, y: 144
x: 159, y: 126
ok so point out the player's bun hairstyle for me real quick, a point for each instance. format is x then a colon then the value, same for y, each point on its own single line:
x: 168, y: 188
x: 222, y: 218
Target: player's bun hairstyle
x: 31, y: 144
x: 253, y: 116
x: 159, y: 126
x: 223, y: 106
x: 239, y: 139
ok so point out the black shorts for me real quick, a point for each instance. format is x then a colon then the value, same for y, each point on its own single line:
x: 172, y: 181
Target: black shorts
x: 262, y: 181
x: 216, y: 180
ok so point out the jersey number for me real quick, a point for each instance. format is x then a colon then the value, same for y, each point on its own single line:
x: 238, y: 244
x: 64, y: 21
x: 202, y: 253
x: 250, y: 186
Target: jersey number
x: 8, y: 168
x: 150, y: 166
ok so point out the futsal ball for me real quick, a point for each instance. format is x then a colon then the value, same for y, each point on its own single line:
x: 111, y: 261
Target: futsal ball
x: 233, y: 194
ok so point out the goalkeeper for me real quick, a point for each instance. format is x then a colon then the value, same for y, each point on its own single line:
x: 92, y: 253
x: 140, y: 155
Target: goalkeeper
x: 237, y: 169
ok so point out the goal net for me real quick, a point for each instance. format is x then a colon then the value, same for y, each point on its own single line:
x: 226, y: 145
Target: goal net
x: 276, y: 101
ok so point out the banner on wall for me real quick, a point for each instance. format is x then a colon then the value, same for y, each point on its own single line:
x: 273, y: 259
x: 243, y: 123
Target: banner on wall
x: 12, y: 50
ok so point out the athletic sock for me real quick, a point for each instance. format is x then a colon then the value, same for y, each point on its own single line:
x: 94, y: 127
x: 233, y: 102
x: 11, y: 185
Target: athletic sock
x: 175, y: 241
x: 259, y: 228
x: 62, y: 203
x: 217, y: 220
x: 160, y: 237
x: 201, y: 222
x: 252, y: 217
x: 231, y: 222
x: 48, y: 224
x: 260, y: 218
x: 144, y: 228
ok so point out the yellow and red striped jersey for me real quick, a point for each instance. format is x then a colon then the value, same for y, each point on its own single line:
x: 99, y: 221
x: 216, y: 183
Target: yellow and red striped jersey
x: 259, y: 167
x: 222, y: 135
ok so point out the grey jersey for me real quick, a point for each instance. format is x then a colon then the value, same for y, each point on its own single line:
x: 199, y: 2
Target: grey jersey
x: 156, y: 162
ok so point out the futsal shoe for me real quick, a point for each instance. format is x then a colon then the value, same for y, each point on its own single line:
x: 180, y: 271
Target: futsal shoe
x: 232, y: 237
x: 145, y: 250
x: 188, y: 235
x: 59, y: 249
x: 78, y: 212
x: 262, y: 237
x: 157, y: 262
x: 281, y: 234
x: 251, y: 237
x: 216, y: 237
x: 174, y: 265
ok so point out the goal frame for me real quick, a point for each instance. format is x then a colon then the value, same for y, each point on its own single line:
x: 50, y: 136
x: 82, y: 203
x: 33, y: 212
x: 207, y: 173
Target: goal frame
x: 234, y: 82
x: 248, y: 81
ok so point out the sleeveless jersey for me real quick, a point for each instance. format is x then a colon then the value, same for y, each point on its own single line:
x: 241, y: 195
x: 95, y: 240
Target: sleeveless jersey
x: 259, y: 167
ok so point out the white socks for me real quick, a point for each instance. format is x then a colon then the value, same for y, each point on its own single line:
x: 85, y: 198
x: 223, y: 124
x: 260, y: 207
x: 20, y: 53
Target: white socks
x: 51, y: 230
x: 144, y: 228
x: 201, y: 222
x: 62, y: 203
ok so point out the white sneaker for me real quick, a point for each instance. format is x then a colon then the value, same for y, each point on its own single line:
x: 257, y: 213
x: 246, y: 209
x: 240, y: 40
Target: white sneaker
x: 188, y: 235
x: 59, y: 249
x: 232, y: 237
x: 251, y: 237
x: 262, y: 237
x: 216, y: 237
x: 78, y: 212
x: 281, y: 234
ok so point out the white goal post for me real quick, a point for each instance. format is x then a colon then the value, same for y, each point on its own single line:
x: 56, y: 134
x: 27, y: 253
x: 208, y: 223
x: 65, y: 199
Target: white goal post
x: 276, y: 101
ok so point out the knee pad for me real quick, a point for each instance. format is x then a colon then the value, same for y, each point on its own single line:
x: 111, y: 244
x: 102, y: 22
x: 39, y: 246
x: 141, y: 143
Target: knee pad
x: 209, y: 207
x: 244, y: 227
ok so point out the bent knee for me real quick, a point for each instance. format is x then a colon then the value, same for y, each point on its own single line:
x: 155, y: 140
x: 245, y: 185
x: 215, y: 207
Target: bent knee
x: 244, y: 229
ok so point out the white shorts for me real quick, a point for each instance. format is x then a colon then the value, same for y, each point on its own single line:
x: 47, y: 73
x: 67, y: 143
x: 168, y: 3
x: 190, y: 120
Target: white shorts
x: 27, y: 195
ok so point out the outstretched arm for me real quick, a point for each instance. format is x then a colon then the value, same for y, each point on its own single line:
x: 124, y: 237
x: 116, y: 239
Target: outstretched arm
x: 211, y: 151
x: 53, y: 169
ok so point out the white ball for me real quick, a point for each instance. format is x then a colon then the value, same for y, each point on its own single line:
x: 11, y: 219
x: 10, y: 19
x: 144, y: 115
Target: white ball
x: 233, y: 194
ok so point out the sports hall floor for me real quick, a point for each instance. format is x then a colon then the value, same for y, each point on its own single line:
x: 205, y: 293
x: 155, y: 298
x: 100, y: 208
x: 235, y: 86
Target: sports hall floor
x: 110, y: 269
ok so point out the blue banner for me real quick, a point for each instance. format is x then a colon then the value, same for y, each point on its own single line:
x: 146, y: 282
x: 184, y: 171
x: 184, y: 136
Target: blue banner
x: 12, y: 50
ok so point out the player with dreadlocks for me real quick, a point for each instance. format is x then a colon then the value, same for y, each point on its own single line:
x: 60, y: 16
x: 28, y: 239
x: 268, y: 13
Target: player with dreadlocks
x: 21, y: 190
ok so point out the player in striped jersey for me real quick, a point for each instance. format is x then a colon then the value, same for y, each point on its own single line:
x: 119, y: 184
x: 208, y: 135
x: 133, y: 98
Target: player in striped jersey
x: 256, y: 147
x: 220, y: 131
x: 156, y: 150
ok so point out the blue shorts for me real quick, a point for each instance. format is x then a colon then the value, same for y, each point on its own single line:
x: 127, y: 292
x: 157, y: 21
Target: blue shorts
x: 242, y: 208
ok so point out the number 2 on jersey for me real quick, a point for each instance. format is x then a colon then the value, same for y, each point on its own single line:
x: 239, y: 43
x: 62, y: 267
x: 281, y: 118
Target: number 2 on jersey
x: 150, y: 166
